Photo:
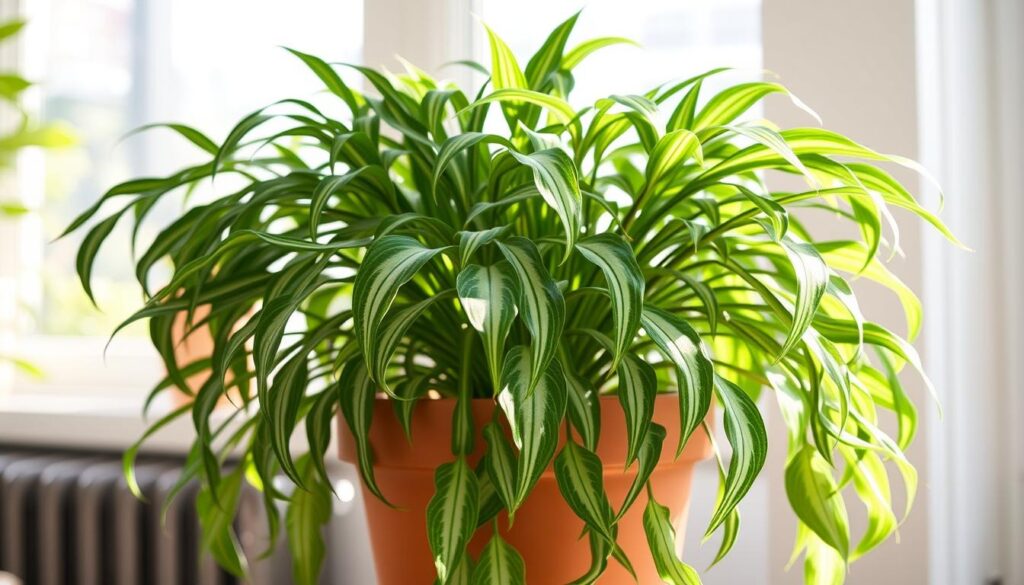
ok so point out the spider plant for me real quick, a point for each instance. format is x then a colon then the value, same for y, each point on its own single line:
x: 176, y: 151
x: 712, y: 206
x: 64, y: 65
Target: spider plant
x: 392, y: 242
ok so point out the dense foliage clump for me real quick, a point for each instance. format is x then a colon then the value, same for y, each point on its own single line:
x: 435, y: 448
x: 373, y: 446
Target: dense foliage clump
x: 629, y: 247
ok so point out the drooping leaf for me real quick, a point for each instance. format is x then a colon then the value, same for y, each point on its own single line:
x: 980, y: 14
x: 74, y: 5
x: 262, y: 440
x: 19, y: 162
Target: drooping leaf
x: 661, y: 537
x: 638, y: 386
x: 216, y: 519
x: 647, y: 459
x: 584, y: 409
x: 815, y: 498
x: 500, y: 463
x: 390, y: 262
x: 681, y: 345
x: 812, y: 280
x: 580, y: 476
x: 556, y: 178
x: 451, y: 515
x: 625, y: 285
x: 541, y: 304
x: 308, y: 512
x: 746, y: 433
x: 488, y: 296
x: 356, y: 395
x: 534, y: 416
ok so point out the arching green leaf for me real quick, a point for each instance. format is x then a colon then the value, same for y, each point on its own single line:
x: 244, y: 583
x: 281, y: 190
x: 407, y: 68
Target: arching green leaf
x: 625, y: 284
x: 812, y: 281
x: 681, y: 345
x: 390, y: 262
x: 540, y: 303
x: 746, y: 433
x: 554, y: 173
x: 580, y: 52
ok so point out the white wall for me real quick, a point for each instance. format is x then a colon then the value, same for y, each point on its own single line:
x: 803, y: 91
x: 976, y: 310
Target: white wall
x: 854, y: 63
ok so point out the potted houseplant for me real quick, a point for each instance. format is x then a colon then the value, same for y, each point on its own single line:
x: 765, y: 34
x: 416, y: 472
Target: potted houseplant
x: 524, y: 330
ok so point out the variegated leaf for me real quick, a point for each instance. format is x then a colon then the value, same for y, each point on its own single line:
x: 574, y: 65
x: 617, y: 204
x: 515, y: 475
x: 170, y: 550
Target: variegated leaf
x: 814, y: 495
x: 661, y: 537
x: 540, y: 302
x: 812, y: 277
x: 678, y: 342
x: 535, y: 417
x: 670, y: 153
x: 471, y: 241
x: 584, y: 408
x: 391, y: 332
x: 390, y: 262
x: 625, y: 284
x: 500, y: 464
x: 647, y: 460
x: 746, y: 433
x: 638, y: 386
x: 555, y: 176
x: 488, y: 296
x: 451, y: 516
x: 499, y: 564
x: 580, y: 476
x: 357, y: 394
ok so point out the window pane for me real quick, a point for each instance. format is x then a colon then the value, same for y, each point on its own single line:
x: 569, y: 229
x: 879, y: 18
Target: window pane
x: 108, y: 66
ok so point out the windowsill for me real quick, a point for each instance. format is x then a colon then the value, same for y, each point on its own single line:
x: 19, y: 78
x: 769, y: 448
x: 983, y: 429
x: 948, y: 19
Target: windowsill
x: 86, y: 422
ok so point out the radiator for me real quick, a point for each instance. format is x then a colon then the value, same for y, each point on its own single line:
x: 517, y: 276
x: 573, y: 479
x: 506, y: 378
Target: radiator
x: 68, y: 518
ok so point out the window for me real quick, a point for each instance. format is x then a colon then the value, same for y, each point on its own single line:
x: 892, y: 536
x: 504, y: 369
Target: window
x: 106, y: 67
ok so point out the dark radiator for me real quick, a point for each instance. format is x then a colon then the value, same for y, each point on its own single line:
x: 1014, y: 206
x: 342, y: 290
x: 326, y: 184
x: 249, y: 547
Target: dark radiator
x: 69, y: 519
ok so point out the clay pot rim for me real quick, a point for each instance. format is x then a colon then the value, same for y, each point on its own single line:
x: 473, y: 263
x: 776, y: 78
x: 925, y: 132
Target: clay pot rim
x: 428, y: 449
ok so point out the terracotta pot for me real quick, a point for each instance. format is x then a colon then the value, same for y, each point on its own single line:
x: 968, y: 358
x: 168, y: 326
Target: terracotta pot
x: 194, y: 345
x: 189, y: 347
x: 546, y: 532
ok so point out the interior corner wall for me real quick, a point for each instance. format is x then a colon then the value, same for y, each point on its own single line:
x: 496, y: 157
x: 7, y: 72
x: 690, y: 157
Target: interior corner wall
x: 854, y: 63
